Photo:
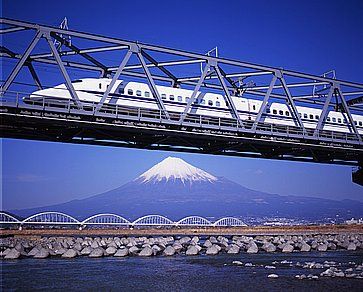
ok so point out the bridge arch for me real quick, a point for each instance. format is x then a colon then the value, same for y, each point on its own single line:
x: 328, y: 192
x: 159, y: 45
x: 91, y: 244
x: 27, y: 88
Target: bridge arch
x: 229, y: 221
x: 51, y: 218
x: 194, y: 221
x: 106, y: 219
x: 153, y: 220
x: 7, y: 218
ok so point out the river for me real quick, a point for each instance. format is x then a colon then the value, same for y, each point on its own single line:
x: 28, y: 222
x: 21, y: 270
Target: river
x: 178, y: 273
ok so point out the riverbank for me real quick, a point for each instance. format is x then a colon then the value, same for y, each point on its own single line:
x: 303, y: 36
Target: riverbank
x: 147, y: 246
x: 205, y: 231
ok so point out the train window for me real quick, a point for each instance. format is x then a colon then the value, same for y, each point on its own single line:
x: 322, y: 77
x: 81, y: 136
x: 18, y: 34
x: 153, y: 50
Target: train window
x: 360, y: 123
x: 334, y: 120
x: 316, y: 117
x: 281, y: 113
x: 202, y: 101
x: 311, y: 117
x: 147, y: 94
x: 171, y: 97
x: 218, y: 103
x: 356, y: 123
x: 254, y: 107
x: 328, y: 119
x: 339, y: 120
x: 77, y: 81
x: 138, y: 92
x: 274, y: 112
x: 287, y: 113
x: 130, y: 92
x: 300, y: 115
x: 121, y: 90
x: 100, y: 86
x: 163, y: 96
x: 187, y: 99
x: 268, y: 110
x: 210, y: 102
x: 305, y: 116
x: 180, y: 98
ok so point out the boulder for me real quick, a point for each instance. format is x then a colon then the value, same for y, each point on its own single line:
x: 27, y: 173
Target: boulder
x: 233, y: 249
x: 169, y: 251
x: 97, y: 253
x: 33, y: 251
x: 238, y: 263
x: 134, y: 250
x: 146, y: 252
x: 351, y: 246
x: 207, y: 243
x: 42, y: 254
x: 111, y: 250
x: 86, y: 251
x: 272, y: 276
x: 252, y: 247
x: 12, y: 254
x: 70, y: 253
x: 322, y: 247
x: 269, y: 247
x: 192, y: 250
x: 305, y: 247
x: 287, y: 248
x: 121, y: 252
x: 213, y: 250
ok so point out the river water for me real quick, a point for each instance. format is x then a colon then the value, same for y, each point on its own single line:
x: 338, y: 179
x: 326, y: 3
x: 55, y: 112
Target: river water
x: 178, y: 273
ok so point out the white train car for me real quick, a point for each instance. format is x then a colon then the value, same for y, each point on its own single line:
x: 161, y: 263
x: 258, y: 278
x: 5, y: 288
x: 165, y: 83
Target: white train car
x: 138, y: 94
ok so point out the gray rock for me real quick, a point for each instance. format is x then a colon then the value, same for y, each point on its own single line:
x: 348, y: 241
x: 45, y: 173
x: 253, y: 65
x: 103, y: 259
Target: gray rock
x: 12, y: 254
x: 233, y: 249
x: 70, y: 253
x: 192, y: 250
x: 42, y: 254
x: 86, y: 251
x: 213, y: 250
x: 305, y: 247
x: 169, y: 251
x: 238, y: 263
x: 121, y: 252
x: 272, y: 276
x: 146, y: 252
x: 287, y: 248
x: 111, y: 250
x: 351, y: 246
x: 252, y: 247
x: 207, y: 243
x: 97, y: 253
x: 269, y: 247
x: 134, y: 250
x: 33, y: 251
x: 322, y: 247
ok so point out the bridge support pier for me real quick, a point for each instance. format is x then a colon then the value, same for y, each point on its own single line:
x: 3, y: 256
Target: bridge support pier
x: 357, y: 175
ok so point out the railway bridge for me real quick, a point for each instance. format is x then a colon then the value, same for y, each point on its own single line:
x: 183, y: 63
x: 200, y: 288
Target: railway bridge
x: 31, y: 51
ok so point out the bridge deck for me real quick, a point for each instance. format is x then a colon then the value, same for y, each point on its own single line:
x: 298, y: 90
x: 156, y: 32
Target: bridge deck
x: 148, y: 129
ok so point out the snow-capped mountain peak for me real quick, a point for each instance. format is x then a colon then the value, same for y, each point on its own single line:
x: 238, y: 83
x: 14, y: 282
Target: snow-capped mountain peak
x: 173, y: 168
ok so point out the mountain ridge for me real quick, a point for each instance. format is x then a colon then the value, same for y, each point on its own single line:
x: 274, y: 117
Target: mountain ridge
x: 176, y: 189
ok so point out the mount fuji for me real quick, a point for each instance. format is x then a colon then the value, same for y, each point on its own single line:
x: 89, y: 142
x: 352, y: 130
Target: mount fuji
x: 175, y: 189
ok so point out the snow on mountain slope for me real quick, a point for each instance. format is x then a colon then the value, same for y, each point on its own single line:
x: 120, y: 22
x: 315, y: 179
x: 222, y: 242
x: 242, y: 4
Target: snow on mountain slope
x: 173, y: 168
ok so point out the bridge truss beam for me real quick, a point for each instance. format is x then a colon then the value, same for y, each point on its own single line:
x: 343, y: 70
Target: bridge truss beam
x: 177, y: 132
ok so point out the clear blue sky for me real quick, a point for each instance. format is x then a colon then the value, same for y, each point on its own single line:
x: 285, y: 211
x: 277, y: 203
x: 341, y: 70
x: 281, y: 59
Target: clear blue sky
x: 309, y: 36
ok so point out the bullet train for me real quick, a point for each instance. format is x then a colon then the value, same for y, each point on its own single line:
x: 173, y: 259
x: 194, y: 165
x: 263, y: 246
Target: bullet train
x: 137, y: 94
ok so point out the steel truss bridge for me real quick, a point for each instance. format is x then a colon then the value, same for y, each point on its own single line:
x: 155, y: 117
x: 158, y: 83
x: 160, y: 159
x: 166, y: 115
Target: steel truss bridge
x: 55, y: 219
x: 113, y: 125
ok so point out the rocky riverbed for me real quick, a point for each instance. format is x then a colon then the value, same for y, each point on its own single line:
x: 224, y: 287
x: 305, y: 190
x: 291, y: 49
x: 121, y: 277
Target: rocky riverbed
x: 95, y: 247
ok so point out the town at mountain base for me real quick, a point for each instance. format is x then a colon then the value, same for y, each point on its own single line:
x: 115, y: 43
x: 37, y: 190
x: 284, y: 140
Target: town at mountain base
x: 175, y: 189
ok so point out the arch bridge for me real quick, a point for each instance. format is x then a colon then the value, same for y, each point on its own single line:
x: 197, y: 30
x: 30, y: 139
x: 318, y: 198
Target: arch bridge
x: 114, y: 220
x: 108, y: 124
